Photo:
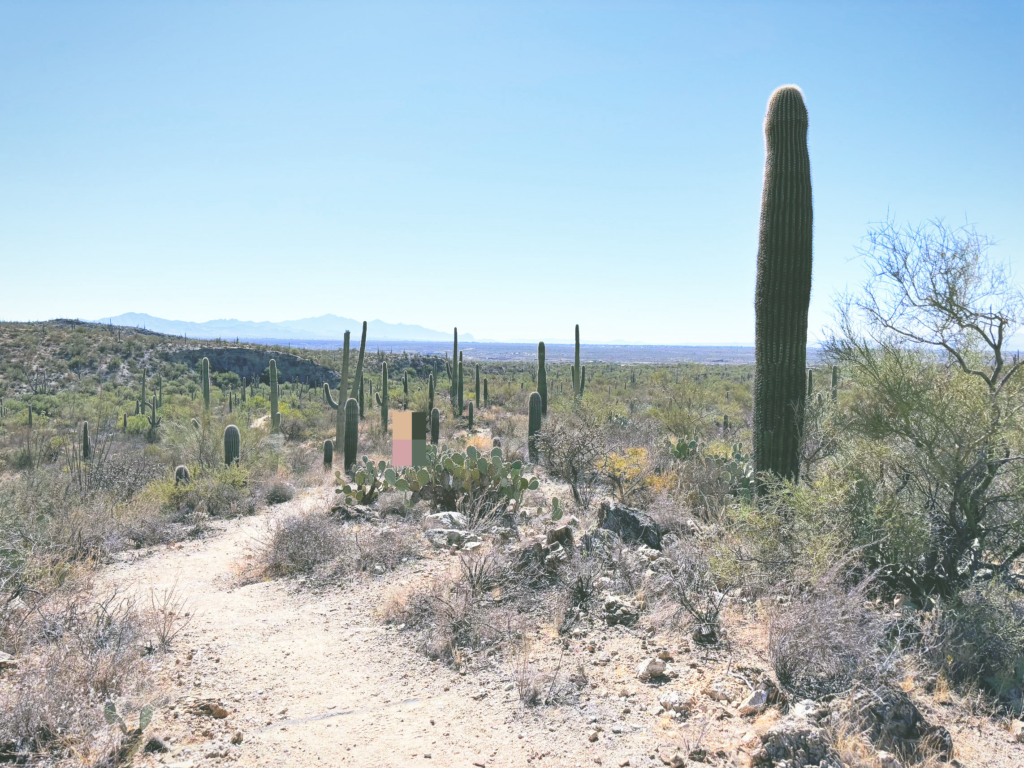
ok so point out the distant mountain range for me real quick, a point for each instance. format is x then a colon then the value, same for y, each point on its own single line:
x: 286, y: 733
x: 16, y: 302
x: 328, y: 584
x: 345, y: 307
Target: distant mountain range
x: 325, y: 327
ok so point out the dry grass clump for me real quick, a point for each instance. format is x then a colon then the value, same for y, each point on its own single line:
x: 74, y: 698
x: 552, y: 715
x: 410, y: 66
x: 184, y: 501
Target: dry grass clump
x: 315, y: 543
x: 74, y: 655
x: 279, y: 493
x: 823, y: 640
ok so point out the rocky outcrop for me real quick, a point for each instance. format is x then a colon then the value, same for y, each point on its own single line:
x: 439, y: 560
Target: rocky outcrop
x: 632, y: 525
x: 253, y: 363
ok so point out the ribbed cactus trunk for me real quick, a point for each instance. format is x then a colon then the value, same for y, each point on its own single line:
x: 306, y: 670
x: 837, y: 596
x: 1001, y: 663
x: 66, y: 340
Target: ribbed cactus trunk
x: 476, y: 388
x: 430, y: 393
x: 328, y: 454
x: 783, y: 286
x: 835, y: 383
x: 542, y: 378
x: 471, y: 416
x: 343, y: 393
x: 384, y: 397
x: 351, y: 410
x: 362, y: 413
x: 485, y: 392
x: 359, y: 366
x: 534, y: 426
x: 86, y: 445
x: 435, y: 425
x: 245, y: 386
x: 232, y: 444
x: 275, y: 415
x: 206, y: 382
x: 453, y: 387
x: 462, y: 407
x: 405, y: 389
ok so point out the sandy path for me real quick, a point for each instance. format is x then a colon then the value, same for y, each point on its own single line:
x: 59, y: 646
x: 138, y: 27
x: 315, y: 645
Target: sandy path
x: 316, y: 679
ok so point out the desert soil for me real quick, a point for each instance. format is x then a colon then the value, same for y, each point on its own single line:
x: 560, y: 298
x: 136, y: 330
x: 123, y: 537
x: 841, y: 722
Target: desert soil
x: 313, y: 677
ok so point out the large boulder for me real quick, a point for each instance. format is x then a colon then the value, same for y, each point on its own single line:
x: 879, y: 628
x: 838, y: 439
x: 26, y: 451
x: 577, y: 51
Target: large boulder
x: 632, y: 525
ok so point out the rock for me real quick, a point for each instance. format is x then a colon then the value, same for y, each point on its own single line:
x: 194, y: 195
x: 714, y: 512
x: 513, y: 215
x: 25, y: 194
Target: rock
x: 650, y: 669
x: 562, y: 535
x: 632, y: 525
x: 619, y: 610
x: 794, y: 739
x: 445, y: 537
x: 447, y: 520
x: 718, y: 691
x: 7, y: 661
x: 755, y: 703
x: 156, y: 744
x: 236, y: 738
x: 1017, y: 731
x: 592, y: 736
x: 554, y: 555
x: 208, y: 708
x: 886, y: 760
x: 892, y: 722
x: 676, y: 701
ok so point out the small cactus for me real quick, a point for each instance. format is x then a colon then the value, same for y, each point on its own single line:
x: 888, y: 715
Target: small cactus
x: 86, y: 445
x: 195, y: 424
x: 384, y: 398
x: 232, y: 444
x: 485, y: 392
x: 542, y: 378
x: 430, y: 392
x: 476, y: 387
x: 328, y: 454
x: 458, y: 388
x: 470, y: 415
x: 112, y: 718
x: 181, y: 475
x: 435, y: 425
x: 534, y: 425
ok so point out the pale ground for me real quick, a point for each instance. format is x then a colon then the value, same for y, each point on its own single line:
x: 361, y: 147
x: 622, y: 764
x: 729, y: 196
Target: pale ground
x: 314, y: 678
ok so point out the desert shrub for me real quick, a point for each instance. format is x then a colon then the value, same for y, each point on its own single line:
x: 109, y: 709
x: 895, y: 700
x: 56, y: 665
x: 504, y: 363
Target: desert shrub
x: 300, y: 543
x: 383, y: 549
x: 279, y: 493
x: 689, y: 589
x: 978, y: 637
x: 571, y: 445
x: 824, y: 639
x: 125, y: 474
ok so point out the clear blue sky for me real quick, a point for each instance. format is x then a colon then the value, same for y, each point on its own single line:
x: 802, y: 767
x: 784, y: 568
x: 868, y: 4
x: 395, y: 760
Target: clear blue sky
x: 512, y: 168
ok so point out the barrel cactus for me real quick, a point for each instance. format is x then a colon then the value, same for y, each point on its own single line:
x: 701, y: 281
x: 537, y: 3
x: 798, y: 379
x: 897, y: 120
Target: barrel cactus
x: 783, y: 289
x: 181, y: 475
x: 534, y: 425
x: 328, y: 454
x: 232, y: 444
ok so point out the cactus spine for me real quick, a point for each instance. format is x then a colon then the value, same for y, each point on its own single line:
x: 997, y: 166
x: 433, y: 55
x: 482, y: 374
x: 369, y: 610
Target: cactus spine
x: 351, y: 410
x: 435, y: 425
x: 232, y: 444
x: 534, y: 425
x: 384, y: 397
x: 783, y: 286
x: 86, y: 445
x: 542, y: 378
x: 206, y: 382
x: 328, y: 454
x: 275, y: 414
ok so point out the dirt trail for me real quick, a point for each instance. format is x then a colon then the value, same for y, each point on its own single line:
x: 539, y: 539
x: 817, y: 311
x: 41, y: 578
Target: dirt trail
x: 316, y: 679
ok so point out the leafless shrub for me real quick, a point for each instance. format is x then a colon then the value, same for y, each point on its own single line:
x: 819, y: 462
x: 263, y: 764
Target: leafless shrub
x: 690, y: 589
x: 571, y: 446
x: 300, y: 543
x: 381, y: 549
x: 279, y: 493
x: 828, y: 637
x: 170, y: 612
x: 978, y: 637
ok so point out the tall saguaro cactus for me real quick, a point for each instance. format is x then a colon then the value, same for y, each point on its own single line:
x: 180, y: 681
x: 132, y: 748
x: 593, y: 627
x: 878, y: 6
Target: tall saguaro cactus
x: 339, y: 415
x: 358, y: 380
x: 351, y: 431
x: 534, y: 426
x: 459, y: 392
x: 435, y: 425
x: 476, y: 388
x: 383, y: 397
x: 275, y: 414
x: 542, y: 378
x: 430, y: 392
x: 206, y: 382
x: 343, y: 386
x: 783, y: 290
x: 453, y: 387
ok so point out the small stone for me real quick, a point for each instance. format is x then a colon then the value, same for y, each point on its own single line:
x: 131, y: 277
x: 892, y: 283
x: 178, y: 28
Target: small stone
x: 156, y: 744
x: 236, y: 738
x: 592, y: 736
x: 1017, y: 731
x: 650, y: 669
x: 676, y: 701
x: 886, y: 760
x: 718, y: 692
x: 755, y: 703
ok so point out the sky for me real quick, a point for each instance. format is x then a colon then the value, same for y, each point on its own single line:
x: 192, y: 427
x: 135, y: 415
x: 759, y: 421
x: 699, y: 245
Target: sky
x: 510, y: 168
